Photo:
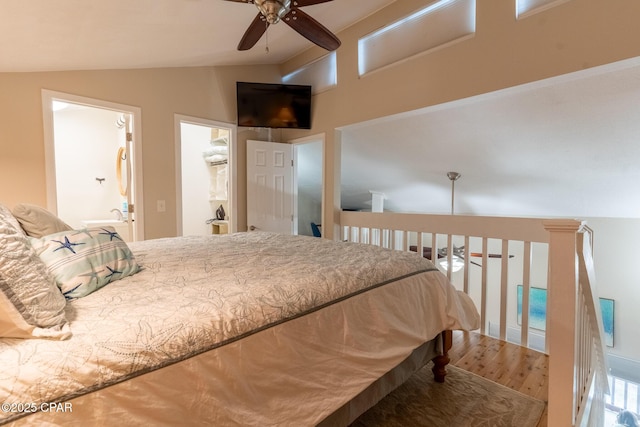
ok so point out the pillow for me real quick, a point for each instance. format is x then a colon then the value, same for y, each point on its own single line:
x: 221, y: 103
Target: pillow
x: 82, y: 261
x: 37, y: 221
x: 9, y: 219
x: 31, y: 304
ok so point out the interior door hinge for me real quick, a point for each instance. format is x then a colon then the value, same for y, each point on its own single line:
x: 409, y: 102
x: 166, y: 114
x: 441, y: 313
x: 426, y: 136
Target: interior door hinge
x: 129, y: 136
x: 291, y: 162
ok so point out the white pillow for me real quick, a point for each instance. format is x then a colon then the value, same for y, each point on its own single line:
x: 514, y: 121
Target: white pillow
x: 37, y: 221
x: 82, y: 261
x: 31, y: 306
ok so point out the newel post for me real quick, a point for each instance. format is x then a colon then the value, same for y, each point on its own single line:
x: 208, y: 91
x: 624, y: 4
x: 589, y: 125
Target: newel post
x: 561, y: 320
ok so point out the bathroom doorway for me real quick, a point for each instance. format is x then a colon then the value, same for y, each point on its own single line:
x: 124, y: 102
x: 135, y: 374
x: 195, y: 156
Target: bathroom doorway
x: 92, y: 151
x: 204, y: 175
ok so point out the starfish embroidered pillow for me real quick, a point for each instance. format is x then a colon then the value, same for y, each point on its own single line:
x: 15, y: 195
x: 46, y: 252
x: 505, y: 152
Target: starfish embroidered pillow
x: 83, y: 261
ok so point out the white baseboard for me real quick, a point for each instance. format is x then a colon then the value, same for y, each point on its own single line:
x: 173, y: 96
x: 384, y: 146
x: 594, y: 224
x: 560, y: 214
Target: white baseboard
x: 536, y: 338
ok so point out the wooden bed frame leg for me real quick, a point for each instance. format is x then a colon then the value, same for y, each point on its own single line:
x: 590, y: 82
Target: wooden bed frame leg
x: 440, y: 362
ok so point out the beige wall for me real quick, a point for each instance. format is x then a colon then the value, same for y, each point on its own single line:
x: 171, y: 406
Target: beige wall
x: 504, y: 52
x: 204, y: 92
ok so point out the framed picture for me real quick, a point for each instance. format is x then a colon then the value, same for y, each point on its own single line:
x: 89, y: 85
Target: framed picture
x: 607, y: 307
x: 538, y: 312
x: 537, y: 307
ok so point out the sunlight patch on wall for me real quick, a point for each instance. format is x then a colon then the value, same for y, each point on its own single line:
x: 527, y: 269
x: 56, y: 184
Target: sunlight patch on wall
x: 435, y: 26
x: 526, y: 8
x: 321, y: 74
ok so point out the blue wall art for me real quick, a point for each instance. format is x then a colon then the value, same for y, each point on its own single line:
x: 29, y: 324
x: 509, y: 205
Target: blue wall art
x: 538, y: 312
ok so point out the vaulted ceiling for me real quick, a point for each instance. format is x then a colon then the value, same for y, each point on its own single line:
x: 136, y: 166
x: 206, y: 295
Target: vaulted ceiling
x: 46, y: 35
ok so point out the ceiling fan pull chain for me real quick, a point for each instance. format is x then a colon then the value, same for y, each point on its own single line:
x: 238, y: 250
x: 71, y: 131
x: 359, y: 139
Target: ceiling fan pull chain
x: 266, y: 37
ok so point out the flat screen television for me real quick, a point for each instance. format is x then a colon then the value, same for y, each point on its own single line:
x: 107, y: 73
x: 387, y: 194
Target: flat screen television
x: 270, y: 105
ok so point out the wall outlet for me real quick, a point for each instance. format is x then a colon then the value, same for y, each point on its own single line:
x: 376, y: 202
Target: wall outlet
x: 161, y: 206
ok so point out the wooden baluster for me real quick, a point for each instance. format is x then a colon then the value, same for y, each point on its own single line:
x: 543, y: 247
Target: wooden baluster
x: 466, y: 264
x: 526, y: 286
x: 504, y: 278
x: 434, y: 249
x: 484, y: 285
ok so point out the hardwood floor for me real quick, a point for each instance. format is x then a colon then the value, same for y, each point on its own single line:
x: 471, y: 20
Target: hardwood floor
x: 508, y: 364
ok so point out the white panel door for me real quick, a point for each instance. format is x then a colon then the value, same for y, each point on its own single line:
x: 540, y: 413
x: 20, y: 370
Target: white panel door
x: 270, y: 186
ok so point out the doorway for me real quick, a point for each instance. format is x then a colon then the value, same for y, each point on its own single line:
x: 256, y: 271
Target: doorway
x: 307, y: 186
x: 204, y: 176
x: 285, y: 199
x: 93, y: 155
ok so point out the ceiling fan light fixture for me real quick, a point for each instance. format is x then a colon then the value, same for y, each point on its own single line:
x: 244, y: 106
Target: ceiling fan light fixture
x: 273, y: 10
x: 457, y: 262
x: 288, y: 11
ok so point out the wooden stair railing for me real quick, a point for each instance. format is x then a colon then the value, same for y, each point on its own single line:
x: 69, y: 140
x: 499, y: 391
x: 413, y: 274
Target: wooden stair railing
x: 591, y: 377
x: 572, y: 338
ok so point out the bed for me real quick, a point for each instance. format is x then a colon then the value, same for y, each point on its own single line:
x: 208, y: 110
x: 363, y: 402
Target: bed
x: 242, y: 329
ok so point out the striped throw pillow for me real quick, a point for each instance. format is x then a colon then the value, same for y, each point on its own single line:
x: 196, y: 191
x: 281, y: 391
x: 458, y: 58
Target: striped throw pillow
x: 83, y: 261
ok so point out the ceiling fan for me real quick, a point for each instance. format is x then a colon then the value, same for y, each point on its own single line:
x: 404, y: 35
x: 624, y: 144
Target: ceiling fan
x: 287, y: 11
x: 458, y: 251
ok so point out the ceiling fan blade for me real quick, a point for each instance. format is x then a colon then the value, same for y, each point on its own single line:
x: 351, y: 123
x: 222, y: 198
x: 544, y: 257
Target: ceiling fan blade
x: 311, y: 29
x: 240, y: 1
x: 479, y: 255
x: 471, y: 261
x: 442, y: 253
x: 253, y: 33
x: 303, y: 3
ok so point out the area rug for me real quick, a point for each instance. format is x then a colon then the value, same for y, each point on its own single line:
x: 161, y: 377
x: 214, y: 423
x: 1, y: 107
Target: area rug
x: 464, y: 399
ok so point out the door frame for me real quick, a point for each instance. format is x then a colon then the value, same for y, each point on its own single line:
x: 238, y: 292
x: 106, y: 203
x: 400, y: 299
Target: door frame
x: 48, y: 96
x: 233, y: 200
x: 311, y: 138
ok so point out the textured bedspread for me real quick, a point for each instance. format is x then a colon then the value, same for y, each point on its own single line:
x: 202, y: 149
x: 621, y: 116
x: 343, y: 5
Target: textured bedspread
x: 195, y: 294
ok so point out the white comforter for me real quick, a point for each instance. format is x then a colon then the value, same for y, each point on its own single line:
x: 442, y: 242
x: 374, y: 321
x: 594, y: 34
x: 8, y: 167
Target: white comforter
x: 201, y: 293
